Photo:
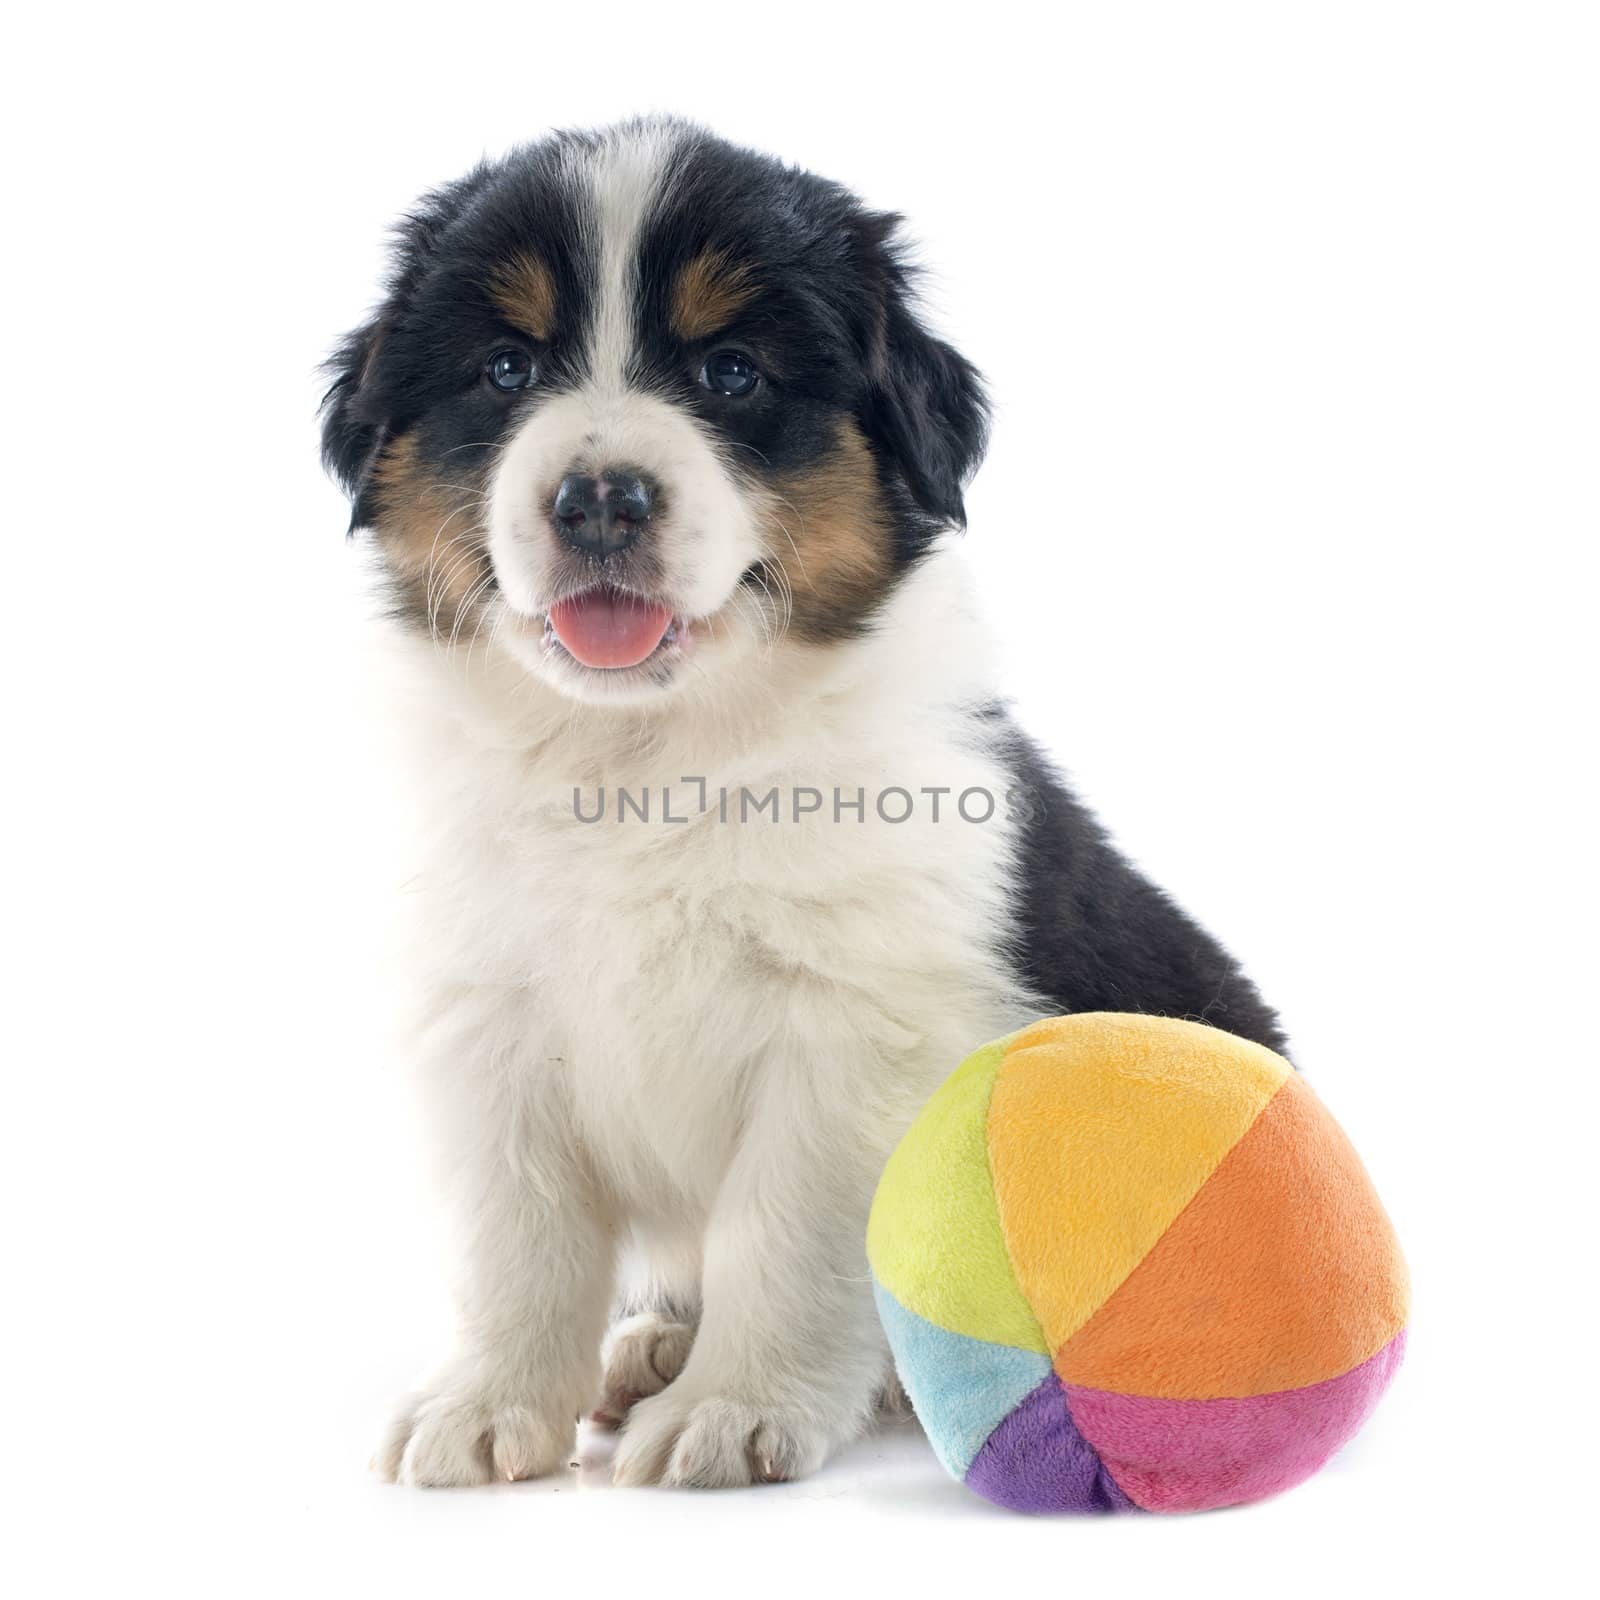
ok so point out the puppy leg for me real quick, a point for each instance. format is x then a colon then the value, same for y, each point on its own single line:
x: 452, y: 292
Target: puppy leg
x: 539, y: 1262
x: 789, y: 1356
x: 643, y: 1354
x: 656, y: 1319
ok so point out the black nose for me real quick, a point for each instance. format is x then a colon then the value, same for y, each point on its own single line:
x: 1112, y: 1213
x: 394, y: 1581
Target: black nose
x: 602, y: 516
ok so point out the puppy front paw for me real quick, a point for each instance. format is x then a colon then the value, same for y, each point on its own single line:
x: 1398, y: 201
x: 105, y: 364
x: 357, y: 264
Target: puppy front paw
x: 643, y: 1355
x: 686, y: 1441
x: 474, y: 1427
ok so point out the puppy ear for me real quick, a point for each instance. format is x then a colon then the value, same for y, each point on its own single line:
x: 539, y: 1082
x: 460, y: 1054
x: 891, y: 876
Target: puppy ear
x: 925, y: 407
x: 355, y: 420
x: 352, y: 431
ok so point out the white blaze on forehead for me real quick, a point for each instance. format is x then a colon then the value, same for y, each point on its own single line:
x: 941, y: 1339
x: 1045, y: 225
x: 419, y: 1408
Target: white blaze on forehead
x: 710, y: 531
x: 625, y: 176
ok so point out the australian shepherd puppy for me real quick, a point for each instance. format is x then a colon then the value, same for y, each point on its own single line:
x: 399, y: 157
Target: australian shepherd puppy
x: 732, y: 850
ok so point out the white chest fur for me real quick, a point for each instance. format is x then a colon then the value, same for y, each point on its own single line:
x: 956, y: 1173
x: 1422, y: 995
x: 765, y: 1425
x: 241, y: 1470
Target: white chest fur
x: 657, y: 980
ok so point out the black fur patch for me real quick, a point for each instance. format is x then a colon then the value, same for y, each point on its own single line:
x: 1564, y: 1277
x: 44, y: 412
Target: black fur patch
x: 1093, y: 934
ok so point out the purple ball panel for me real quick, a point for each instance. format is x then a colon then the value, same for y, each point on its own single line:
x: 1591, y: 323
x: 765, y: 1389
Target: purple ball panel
x: 1036, y: 1460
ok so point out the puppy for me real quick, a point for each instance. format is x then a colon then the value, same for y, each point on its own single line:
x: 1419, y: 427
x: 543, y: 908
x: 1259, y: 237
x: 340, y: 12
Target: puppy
x: 732, y: 852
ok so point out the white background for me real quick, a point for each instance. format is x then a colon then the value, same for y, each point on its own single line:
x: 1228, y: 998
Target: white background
x: 1291, y: 317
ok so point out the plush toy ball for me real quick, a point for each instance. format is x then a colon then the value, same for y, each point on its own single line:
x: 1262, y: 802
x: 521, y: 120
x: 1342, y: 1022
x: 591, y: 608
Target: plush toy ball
x: 1130, y: 1263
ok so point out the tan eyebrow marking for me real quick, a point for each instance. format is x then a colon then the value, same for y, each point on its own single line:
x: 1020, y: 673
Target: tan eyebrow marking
x: 523, y: 288
x: 709, y: 293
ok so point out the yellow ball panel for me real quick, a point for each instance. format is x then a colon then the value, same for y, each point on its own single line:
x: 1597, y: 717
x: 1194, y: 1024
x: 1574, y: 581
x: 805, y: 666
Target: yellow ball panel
x: 933, y: 1238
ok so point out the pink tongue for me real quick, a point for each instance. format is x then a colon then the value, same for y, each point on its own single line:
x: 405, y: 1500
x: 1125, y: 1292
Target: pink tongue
x: 603, y: 628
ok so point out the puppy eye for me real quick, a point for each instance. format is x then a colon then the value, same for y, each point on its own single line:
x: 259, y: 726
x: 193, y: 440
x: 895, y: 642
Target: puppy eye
x: 509, y: 369
x: 729, y: 373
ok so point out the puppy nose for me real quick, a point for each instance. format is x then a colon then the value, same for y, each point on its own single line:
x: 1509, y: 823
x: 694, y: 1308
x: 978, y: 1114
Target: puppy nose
x: 602, y: 516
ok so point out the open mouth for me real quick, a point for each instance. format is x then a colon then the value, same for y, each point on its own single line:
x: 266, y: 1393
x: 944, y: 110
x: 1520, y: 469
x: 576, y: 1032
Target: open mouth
x: 611, y: 629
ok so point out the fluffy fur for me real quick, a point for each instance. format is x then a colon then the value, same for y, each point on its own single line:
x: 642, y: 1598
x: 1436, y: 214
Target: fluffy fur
x: 674, y: 1053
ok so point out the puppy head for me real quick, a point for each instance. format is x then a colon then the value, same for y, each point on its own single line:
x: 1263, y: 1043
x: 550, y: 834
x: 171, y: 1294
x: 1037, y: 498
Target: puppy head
x: 639, y: 403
